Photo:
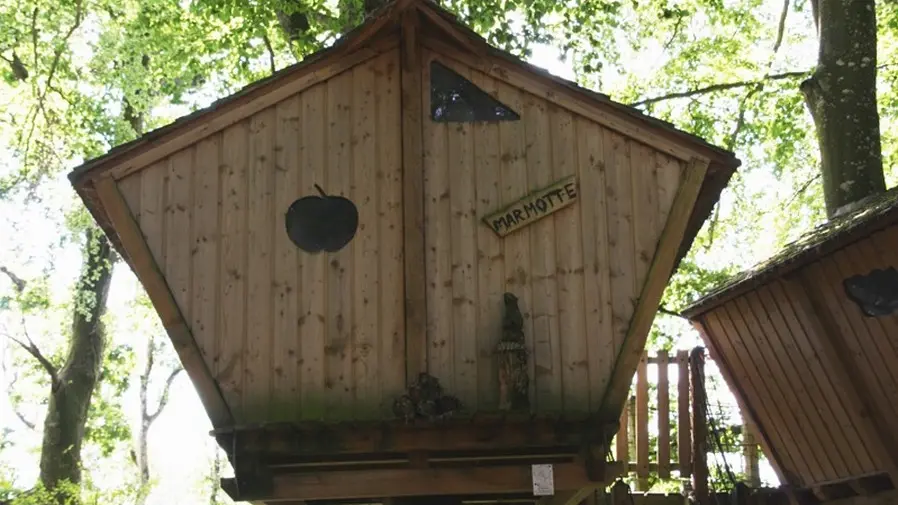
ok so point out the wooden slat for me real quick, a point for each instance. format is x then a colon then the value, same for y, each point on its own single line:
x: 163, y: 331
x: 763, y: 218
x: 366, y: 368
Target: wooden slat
x: 746, y: 374
x: 542, y: 269
x: 872, y: 337
x: 663, y: 416
x: 366, y: 310
x: 572, y: 306
x: 642, y: 422
x: 236, y: 111
x: 815, y: 380
x: 596, y: 278
x: 490, y: 258
x: 650, y: 295
x: 413, y: 199
x: 786, y: 368
x: 313, y: 267
x: 646, y: 228
x: 622, y: 261
x: 782, y: 399
x: 684, y: 424
x: 232, y: 298
x: 836, y: 354
x: 340, y: 379
x: 516, y: 247
x: 438, y: 244
x: 177, y: 228
x: 150, y: 276
x: 260, y: 261
x: 462, y: 169
x: 287, y: 284
x: 392, y: 287
x: 362, y: 484
x: 206, y: 249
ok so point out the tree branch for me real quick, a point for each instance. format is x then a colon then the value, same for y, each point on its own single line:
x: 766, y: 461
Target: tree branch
x: 163, y: 400
x: 270, y: 53
x: 33, y: 350
x: 9, y: 388
x: 781, y: 28
x: 30, y: 347
x: 721, y: 87
x: 17, y: 281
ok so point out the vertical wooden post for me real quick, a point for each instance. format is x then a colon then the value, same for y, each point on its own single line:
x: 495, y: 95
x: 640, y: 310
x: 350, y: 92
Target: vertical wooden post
x: 413, y: 199
x: 623, y: 439
x: 642, y: 424
x: 699, y: 428
x: 631, y: 443
x: 684, y: 425
x: 663, y: 417
x: 750, y: 453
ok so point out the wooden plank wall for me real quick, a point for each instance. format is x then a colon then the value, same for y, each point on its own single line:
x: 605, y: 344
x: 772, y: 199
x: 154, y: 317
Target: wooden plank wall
x: 577, y: 273
x: 290, y: 335
x: 770, y: 339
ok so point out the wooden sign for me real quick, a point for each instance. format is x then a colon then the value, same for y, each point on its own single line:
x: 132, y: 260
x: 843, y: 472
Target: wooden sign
x: 536, y: 205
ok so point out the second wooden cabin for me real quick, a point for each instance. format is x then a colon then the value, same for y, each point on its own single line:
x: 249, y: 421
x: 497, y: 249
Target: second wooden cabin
x: 316, y: 242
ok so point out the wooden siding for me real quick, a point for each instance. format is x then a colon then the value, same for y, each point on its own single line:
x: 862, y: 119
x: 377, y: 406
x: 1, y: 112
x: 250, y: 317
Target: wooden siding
x: 577, y: 273
x: 773, y: 340
x: 289, y: 335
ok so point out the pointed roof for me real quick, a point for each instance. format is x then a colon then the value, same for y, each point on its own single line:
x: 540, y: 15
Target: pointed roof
x: 381, y: 24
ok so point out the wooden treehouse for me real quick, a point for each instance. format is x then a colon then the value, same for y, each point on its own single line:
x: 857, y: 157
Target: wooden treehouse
x: 808, y: 342
x: 409, y: 265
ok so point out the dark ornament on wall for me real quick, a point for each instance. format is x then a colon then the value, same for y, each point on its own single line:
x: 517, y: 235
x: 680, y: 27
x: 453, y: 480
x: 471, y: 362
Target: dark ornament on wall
x: 514, y: 383
x: 425, y: 399
x: 875, y: 293
x: 322, y: 222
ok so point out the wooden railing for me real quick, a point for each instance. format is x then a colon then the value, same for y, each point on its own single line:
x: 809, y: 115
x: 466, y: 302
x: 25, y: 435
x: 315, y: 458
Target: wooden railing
x: 643, y: 456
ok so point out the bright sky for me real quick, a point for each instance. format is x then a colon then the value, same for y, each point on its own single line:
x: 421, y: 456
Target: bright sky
x: 179, y: 442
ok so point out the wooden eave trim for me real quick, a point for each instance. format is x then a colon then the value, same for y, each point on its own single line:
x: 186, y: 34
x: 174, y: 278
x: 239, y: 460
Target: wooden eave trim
x: 413, y: 196
x: 177, y: 137
x: 147, y: 270
x: 843, y: 371
x: 656, y: 279
x: 725, y: 369
x: 791, y: 265
x: 562, y: 94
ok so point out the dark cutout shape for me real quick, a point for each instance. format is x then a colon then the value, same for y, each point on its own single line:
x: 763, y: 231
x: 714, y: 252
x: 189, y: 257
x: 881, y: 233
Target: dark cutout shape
x: 456, y: 99
x: 322, y: 223
x: 875, y: 293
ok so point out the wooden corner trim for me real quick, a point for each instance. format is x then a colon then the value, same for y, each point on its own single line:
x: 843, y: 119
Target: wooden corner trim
x: 724, y: 366
x: 844, y: 372
x: 150, y: 276
x: 656, y: 280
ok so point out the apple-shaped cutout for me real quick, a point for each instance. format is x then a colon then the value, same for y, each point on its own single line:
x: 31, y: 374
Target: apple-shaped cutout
x: 322, y: 222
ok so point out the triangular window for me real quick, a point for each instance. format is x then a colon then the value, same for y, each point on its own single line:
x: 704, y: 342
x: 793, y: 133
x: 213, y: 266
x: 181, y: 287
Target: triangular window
x: 454, y: 99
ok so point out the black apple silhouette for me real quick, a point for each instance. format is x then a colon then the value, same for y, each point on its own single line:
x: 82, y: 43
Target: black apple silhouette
x: 322, y: 223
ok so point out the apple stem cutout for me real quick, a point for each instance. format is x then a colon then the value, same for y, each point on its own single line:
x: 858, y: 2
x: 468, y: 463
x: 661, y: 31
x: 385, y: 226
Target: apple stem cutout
x: 321, y: 223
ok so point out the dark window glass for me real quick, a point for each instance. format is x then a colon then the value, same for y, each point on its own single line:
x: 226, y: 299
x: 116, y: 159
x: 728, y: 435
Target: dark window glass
x: 456, y: 99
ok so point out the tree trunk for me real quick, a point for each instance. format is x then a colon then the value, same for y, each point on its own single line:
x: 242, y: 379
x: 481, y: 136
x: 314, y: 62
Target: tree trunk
x: 143, y: 462
x: 841, y: 96
x: 73, y: 386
